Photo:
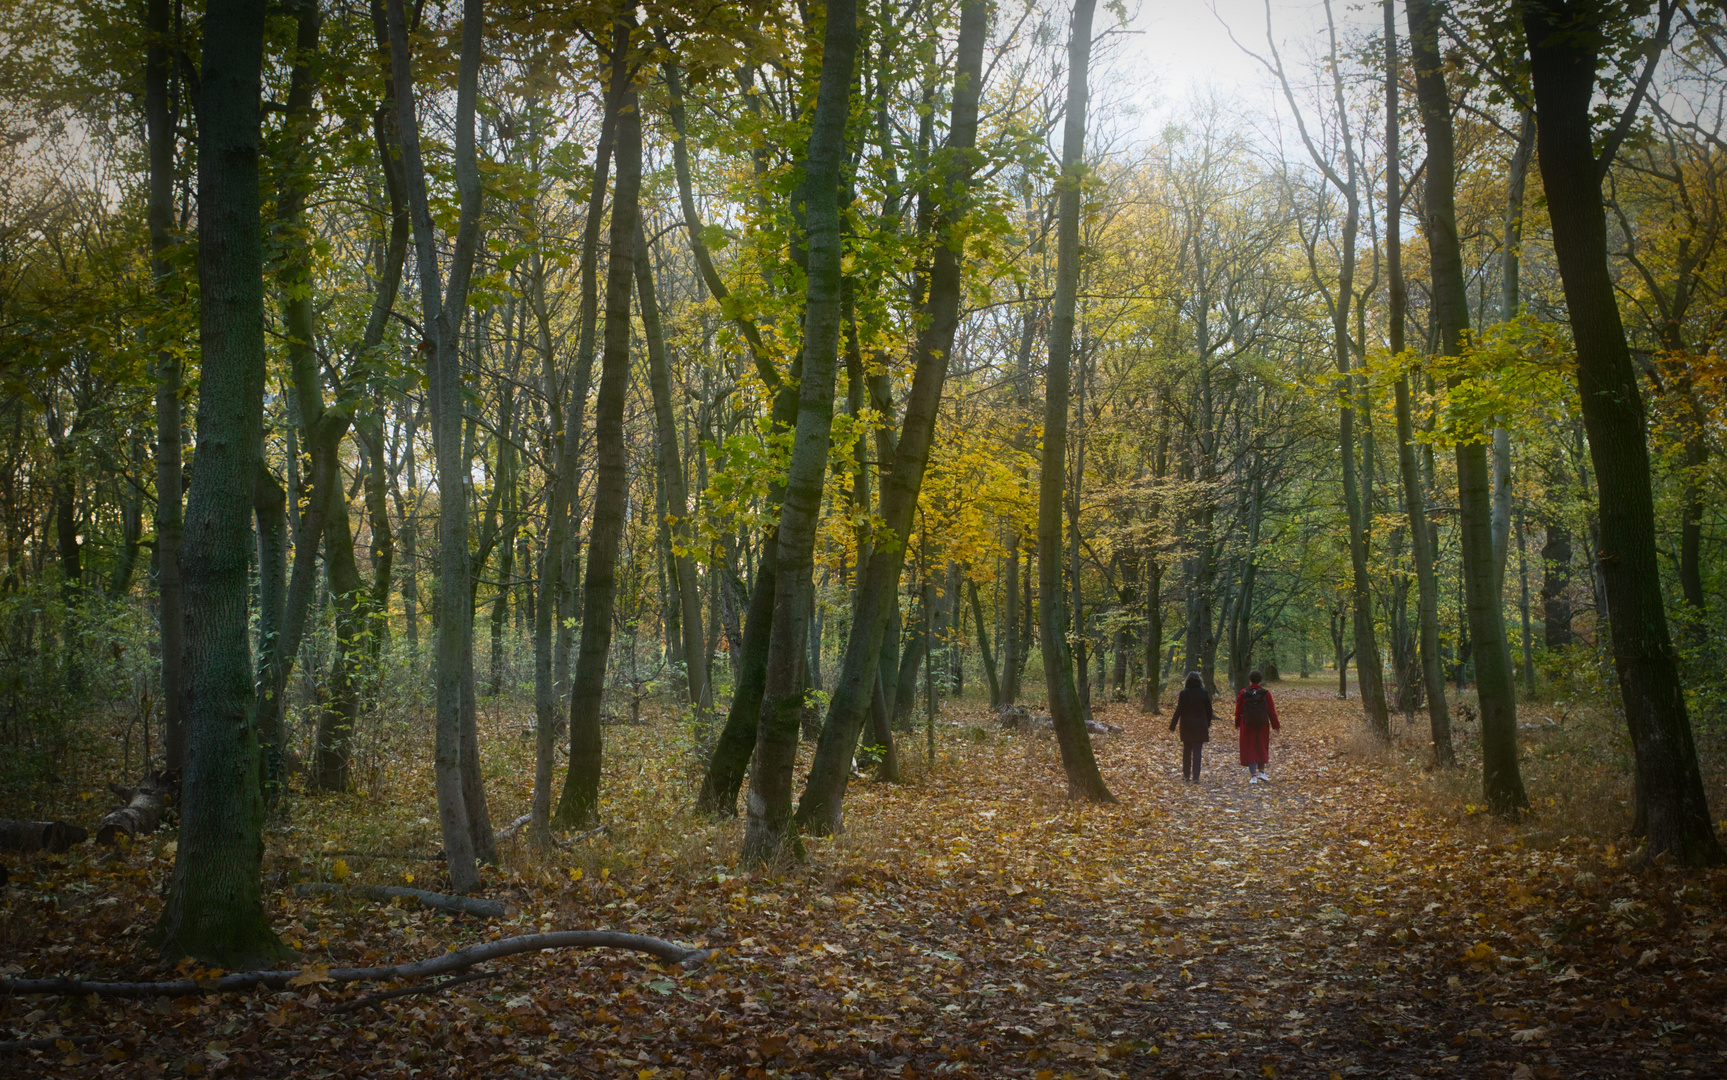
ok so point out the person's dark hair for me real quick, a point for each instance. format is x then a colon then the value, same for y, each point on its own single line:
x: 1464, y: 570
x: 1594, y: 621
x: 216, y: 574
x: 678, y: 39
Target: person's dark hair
x: 1194, y: 682
x: 1254, y: 676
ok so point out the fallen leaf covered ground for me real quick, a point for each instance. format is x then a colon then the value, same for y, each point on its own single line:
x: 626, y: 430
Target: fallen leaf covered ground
x: 1344, y: 920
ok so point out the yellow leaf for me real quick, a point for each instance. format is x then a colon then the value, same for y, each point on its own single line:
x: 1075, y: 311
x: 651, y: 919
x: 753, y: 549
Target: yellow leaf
x: 1480, y: 951
x: 309, y: 976
x: 339, y: 870
x: 576, y: 874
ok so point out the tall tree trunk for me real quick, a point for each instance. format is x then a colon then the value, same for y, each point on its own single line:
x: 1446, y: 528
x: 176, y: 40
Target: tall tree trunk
x: 1510, y: 266
x: 214, y: 909
x: 159, y: 124
x: 1084, y: 781
x: 770, y: 802
x: 270, y: 504
x: 677, y: 496
x: 1556, y: 586
x: 1563, y: 61
x: 1369, y: 668
x: 1414, y: 496
x: 1010, y: 626
x: 983, y: 647
x: 551, y: 628
x: 442, y: 312
x: 580, y: 801
x: 1502, y: 781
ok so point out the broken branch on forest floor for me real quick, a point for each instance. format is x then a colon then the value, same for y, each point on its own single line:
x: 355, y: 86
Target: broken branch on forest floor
x: 462, y: 905
x: 403, y: 991
x: 459, y: 960
x: 8, y: 1046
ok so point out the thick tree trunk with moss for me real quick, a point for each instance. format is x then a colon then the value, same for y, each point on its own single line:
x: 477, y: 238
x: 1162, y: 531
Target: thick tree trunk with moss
x: 1502, y: 781
x: 214, y: 910
x: 1084, y: 781
x: 769, y: 815
x: 1563, y: 63
x: 580, y: 801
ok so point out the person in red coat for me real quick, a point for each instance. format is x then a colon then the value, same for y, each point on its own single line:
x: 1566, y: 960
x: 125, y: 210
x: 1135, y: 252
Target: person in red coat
x: 1256, y: 719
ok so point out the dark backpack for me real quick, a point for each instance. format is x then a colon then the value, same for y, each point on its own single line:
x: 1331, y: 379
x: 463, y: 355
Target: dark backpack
x: 1255, y: 707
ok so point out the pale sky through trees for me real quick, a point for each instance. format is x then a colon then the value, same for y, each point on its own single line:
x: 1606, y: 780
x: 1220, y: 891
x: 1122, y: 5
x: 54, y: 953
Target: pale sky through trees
x: 1179, y: 45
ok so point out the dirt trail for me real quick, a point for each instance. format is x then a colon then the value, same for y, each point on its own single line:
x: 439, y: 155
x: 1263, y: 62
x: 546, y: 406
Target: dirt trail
x: 971, y: 923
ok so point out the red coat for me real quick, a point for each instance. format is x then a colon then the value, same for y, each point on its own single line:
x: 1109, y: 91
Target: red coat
x: 1256, y: 741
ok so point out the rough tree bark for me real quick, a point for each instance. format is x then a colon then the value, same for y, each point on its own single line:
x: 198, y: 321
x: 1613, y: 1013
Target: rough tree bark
x: 214, y: 910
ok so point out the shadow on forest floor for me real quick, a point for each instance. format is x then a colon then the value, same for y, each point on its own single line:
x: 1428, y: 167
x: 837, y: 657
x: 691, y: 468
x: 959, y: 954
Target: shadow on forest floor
x: 1347, y: 919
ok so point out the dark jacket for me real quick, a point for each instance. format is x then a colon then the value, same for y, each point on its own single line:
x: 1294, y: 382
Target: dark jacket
x: 1193, y: 715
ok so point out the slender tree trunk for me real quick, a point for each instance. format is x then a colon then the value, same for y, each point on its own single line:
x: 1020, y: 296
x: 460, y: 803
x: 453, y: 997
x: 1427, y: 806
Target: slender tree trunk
x: 1010, y: 626
x: 1502, y: 782
x: 983, y: 647
x: 214, y: 909
x: 1414, y: 496
x: 270, y: 504
x: 1084, y: 781
x: 159, y: 124
x: 580, y: 802
x: 769, y: 815
x: 442, y: 312
x: 1563, y: 62
x: 677, y: 497
x: 1510, y: 264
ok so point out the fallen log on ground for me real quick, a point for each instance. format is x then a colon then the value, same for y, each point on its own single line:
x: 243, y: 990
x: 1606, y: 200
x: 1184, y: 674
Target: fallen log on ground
x: 460, y: 960
x: 50, y: 836
x: 141, y: 814
x: 462, y: 905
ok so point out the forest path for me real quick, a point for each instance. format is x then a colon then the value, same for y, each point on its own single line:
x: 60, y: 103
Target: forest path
x: 1346, y: 920
x: 1328, y: 923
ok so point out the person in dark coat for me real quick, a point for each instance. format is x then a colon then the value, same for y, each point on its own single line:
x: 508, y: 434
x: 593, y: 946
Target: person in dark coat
x: 1256, y: 719
x: 1193, y: 716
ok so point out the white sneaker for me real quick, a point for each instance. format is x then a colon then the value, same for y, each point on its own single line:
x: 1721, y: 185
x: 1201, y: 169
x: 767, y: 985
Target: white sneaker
x: 1254, y: 779
x: 1265, y: 778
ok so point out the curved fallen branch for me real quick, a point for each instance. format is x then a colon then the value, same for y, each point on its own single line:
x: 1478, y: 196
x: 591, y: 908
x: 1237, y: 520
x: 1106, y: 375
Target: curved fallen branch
x: 465, y: 905
x: 459, y: 960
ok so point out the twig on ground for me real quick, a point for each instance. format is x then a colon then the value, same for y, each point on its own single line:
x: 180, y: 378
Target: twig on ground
x: 464, y: 905
x: 404, y: 856
x: 424, y: 988
x: 8, y: 1046
x: 460, y: 960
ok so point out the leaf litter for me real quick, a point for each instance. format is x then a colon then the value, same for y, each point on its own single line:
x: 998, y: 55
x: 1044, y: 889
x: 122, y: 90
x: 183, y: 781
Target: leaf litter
x: 1336, y: 922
